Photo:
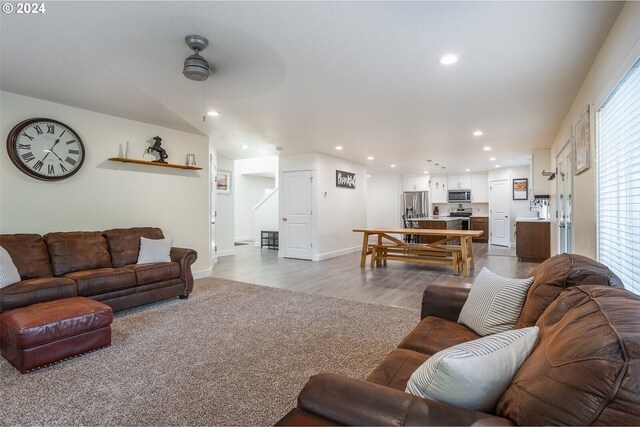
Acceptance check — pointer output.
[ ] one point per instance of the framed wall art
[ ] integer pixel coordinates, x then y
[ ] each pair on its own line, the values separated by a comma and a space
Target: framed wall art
581, 143
520, 188
223, 182
345, 179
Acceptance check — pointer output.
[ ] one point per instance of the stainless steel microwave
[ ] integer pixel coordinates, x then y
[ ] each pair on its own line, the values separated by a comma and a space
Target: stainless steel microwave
459, 196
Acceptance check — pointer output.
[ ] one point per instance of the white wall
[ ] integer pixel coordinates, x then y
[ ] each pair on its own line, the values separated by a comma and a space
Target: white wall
249, 191
258, 165
106, 194
540, 161
252, 178
337, 211
516, 207
519, 207
340, 210
225, 218
383, 201
618, 53
266, 216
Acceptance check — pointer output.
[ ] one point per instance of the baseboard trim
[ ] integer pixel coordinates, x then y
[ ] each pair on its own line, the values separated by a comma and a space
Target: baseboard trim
329, 255
226, 253
243, 238
203, 273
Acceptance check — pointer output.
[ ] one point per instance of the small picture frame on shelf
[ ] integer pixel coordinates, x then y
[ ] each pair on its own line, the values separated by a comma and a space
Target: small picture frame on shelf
223, 182
520, 188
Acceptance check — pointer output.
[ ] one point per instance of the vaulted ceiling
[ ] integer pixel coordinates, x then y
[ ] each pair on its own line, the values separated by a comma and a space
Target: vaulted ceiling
308, 76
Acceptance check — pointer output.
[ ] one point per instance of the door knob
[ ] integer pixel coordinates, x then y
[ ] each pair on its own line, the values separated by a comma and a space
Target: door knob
284, 219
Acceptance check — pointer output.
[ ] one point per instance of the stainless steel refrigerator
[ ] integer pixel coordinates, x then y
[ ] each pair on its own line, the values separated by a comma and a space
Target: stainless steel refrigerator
415, 203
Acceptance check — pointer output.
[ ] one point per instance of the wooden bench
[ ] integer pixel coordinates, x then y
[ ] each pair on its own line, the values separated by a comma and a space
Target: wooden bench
418, 253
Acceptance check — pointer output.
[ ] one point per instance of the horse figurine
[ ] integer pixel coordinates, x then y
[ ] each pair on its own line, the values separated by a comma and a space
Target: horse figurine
161, 151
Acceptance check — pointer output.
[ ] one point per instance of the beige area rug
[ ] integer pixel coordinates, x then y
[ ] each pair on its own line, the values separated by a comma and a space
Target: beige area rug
232, 354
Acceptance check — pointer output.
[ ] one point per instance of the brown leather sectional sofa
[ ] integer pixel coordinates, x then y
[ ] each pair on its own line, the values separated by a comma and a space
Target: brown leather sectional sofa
98, 265
584, 369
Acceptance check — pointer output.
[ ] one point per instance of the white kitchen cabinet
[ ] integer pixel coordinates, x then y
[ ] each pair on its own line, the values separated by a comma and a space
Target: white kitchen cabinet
479, 188
459, 182
415, 183
439, 187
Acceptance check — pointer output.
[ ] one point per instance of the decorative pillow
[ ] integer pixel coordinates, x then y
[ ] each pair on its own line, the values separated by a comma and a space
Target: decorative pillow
155, 250
474, 374
8, 271
494, 303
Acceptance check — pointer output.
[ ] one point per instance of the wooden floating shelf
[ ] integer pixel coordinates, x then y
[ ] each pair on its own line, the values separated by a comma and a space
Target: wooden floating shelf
145, 162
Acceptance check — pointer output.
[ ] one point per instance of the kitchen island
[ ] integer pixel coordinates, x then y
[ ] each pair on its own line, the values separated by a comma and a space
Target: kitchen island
437, 223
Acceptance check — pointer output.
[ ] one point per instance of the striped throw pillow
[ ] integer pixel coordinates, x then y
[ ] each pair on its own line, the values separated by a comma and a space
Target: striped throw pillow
494, 303
155, 250
474, 374
8, 271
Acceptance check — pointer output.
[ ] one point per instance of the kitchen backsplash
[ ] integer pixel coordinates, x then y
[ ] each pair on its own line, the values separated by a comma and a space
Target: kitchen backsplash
445, 208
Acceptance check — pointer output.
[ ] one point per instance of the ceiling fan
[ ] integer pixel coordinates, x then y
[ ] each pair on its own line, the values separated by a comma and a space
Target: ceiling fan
195, 66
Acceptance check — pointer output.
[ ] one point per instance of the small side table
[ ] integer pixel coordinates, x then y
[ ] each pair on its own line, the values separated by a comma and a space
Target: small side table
269, 239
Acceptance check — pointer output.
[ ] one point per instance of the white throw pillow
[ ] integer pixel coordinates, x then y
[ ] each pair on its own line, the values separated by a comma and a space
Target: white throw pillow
155, 250
474, 374
8, 271
494, 303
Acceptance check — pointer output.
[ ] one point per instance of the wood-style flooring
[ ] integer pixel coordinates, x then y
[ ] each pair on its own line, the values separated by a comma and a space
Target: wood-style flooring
398, 283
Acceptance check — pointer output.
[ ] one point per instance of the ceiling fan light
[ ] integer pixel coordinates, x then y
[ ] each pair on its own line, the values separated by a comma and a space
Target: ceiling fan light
196, 68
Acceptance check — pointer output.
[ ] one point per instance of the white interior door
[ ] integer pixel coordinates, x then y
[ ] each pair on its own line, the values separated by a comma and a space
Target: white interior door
499, 213
564, 199
296, 215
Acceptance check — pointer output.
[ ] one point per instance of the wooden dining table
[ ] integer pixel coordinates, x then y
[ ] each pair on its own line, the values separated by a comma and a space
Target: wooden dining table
454, 246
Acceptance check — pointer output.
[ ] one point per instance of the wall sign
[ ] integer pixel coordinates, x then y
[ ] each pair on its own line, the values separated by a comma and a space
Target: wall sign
345, 179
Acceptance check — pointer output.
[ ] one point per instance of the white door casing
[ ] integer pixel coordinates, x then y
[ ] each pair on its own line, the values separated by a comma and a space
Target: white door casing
213, 171
499, 212
296, 215
564, 199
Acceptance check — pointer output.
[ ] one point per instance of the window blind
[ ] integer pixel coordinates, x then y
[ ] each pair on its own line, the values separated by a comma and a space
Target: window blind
618, 180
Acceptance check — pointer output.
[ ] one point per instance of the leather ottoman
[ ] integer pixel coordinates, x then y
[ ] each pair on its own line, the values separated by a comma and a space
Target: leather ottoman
41, 334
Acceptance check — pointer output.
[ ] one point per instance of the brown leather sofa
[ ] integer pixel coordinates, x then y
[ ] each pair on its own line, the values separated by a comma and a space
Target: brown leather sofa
584, 369
98, 265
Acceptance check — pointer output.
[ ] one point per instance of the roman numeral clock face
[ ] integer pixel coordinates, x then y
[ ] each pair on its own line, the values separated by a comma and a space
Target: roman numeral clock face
45, 149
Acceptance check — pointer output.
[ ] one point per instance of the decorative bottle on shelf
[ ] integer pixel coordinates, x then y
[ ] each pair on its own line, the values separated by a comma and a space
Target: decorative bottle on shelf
436, 211
127, 152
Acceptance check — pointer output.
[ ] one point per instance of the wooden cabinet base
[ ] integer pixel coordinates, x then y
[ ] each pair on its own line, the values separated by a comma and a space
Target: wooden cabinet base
480, 223
533, 241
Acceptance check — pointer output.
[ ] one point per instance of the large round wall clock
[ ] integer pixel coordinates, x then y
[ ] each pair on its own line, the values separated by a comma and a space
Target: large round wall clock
45, 149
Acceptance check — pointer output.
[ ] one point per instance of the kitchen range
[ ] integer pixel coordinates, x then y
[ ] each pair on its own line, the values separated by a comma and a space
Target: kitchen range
464, 215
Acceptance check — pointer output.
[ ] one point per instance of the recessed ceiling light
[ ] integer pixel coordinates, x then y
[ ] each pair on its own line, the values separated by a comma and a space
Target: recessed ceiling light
244, 147
392, 165
426, 171
486, 148
213, 113
444, 167
497, 166
338, 147
437, 164
467, 170
370, 158
368, 176
429, 160
478, 133
449, 59
493, 159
